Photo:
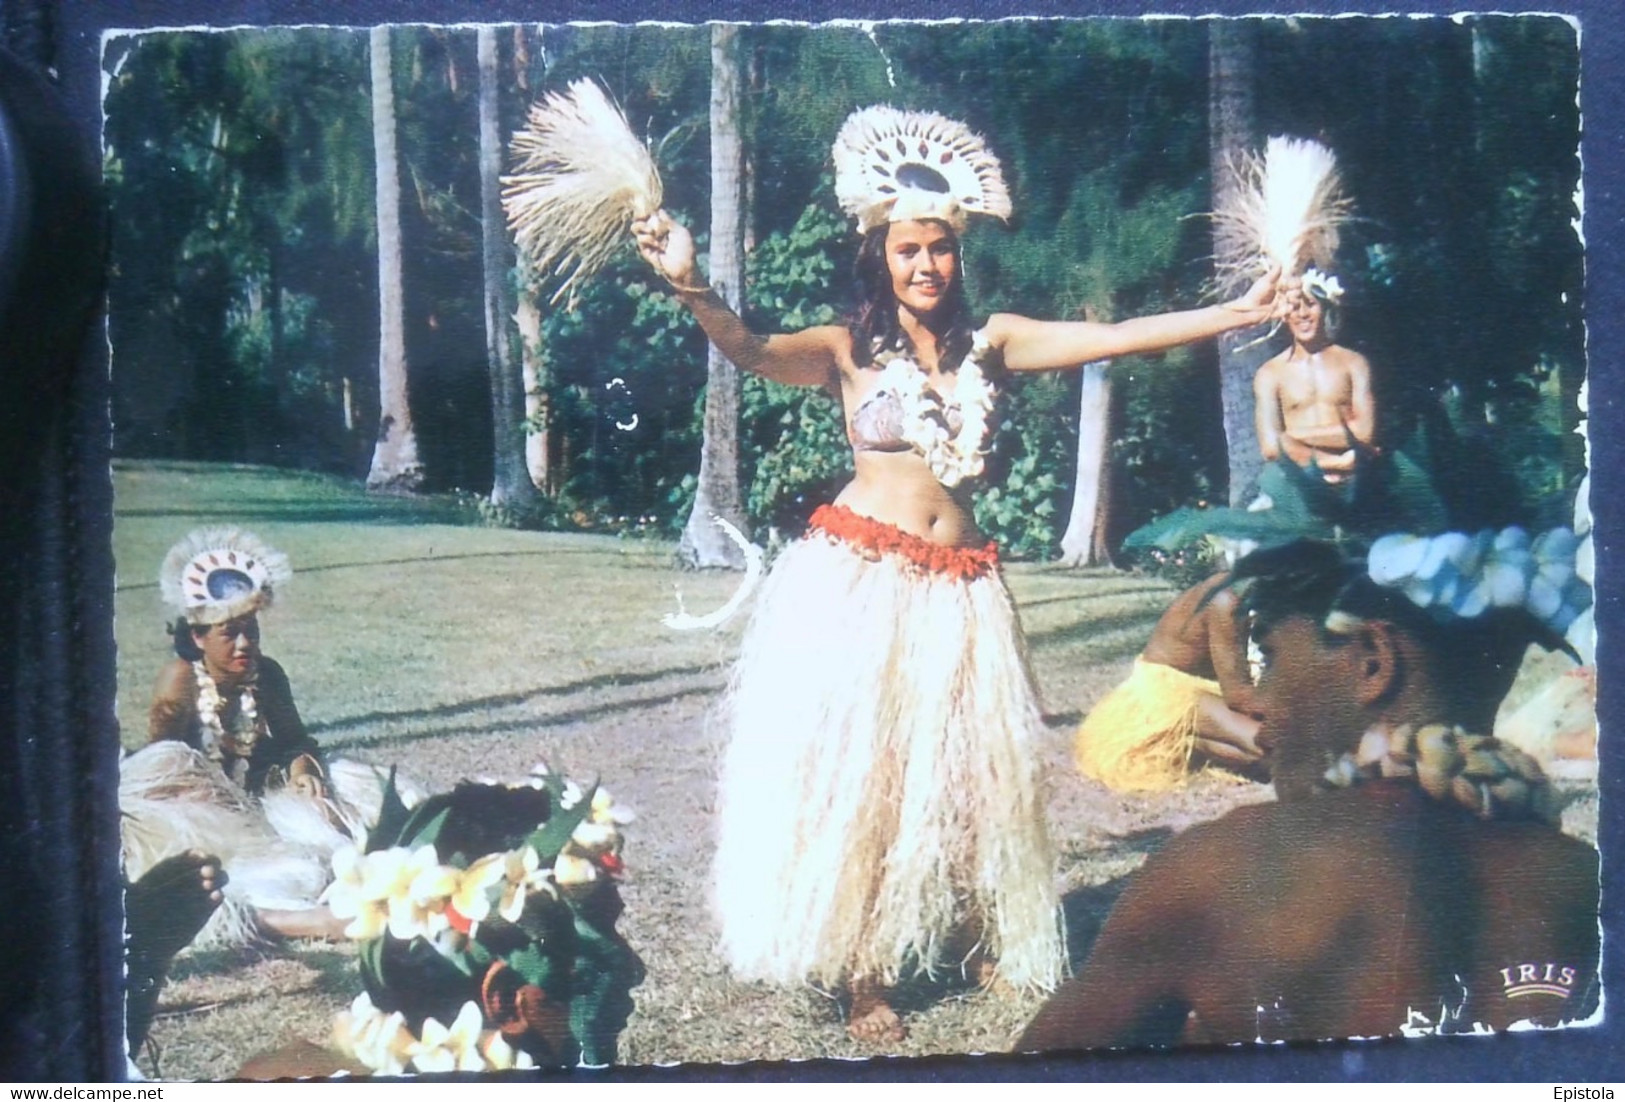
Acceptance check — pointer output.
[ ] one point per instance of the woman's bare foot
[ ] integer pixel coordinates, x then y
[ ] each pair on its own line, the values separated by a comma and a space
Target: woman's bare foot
163, 912
871, 1018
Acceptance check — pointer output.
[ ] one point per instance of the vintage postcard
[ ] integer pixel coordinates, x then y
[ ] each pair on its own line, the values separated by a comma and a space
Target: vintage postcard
660, 543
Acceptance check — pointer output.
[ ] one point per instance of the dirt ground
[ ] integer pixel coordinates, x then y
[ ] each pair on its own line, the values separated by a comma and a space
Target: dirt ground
636, 709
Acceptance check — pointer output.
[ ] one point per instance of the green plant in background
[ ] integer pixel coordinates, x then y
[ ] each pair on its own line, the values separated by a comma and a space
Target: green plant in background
793, 443
242, 307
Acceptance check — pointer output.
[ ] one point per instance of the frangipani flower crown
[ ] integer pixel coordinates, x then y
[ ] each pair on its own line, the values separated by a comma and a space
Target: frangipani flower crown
1456, 575
515, 948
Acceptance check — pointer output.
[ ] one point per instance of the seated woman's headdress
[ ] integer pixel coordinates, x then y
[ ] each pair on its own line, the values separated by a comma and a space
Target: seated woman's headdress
218, 574
898, 166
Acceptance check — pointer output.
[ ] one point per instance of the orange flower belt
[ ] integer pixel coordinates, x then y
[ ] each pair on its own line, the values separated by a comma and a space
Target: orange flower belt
876, 538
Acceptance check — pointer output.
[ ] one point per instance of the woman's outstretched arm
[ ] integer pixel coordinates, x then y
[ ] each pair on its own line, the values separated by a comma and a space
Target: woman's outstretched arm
1030, 345
806, 358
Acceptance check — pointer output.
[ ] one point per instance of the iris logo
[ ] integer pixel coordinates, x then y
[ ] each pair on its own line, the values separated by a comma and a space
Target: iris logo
1537, 979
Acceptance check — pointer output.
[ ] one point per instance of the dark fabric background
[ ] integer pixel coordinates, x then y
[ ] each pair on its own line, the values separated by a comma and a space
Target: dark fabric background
60, 914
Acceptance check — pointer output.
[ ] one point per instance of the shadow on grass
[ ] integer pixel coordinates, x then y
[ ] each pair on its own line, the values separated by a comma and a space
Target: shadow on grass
531, 724
1084, 630
1095, 597
613, 562
508, 700
334, 966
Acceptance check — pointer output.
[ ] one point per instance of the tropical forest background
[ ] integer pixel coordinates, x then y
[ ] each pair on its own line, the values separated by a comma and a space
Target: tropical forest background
310, 271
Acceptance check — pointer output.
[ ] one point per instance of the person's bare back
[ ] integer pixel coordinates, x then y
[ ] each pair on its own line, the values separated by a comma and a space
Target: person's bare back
1364, 913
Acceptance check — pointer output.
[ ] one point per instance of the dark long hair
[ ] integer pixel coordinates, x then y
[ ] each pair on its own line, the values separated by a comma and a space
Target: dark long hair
873, 324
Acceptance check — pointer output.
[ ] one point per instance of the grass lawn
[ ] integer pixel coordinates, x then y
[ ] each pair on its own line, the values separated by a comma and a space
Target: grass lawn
464, 652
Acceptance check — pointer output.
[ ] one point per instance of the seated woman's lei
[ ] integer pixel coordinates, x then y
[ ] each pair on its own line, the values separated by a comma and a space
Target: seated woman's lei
952, 456
228, 747
468, 959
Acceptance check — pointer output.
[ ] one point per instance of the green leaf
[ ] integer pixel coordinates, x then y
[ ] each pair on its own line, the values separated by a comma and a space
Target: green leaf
549, 839
392, 816
534, 965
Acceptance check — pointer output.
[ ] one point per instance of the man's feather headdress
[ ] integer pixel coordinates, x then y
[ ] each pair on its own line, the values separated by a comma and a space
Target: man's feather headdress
1284, 208
581, 177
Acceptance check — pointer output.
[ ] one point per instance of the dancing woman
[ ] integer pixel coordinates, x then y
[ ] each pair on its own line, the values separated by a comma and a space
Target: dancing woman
880, 809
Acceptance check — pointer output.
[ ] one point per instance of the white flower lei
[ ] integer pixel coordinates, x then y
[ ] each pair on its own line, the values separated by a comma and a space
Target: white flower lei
217, 741
383, 1043
952, 458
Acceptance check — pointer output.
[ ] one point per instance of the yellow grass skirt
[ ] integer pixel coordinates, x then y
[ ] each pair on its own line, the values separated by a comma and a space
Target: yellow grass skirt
880, 791
1141, 736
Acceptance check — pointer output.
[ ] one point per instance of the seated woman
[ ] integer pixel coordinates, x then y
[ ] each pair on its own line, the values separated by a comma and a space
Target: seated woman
1420, 883
229, 767
1186, 702
487, 922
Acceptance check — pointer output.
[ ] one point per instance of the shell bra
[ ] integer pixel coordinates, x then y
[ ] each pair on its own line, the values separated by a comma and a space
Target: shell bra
950, 431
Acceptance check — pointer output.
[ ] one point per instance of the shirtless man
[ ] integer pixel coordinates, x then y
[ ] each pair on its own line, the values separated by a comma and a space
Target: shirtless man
1364, 910
1314, 396
1188, 699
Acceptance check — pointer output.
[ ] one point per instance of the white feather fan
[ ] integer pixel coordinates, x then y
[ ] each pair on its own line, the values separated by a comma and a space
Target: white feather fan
580, 180
1285, 209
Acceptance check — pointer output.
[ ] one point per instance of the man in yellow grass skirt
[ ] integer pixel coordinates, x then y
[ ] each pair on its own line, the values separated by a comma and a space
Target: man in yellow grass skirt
1187, 701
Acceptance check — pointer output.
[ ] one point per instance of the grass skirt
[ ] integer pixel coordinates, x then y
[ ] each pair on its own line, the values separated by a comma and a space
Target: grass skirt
880, 792
1140, 737
277, 850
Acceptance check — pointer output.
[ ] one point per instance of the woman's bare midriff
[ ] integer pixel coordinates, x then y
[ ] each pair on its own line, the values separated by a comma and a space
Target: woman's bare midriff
898, 488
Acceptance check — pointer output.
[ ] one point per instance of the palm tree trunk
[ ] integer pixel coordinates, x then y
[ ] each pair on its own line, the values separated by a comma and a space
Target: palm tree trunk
1084, 543
1232, 130
395, 462
704, 544
510, 481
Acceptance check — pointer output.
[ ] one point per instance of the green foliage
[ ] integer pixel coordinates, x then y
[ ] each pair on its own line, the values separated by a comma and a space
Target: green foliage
243, 302
792, 439
1022, 503
625, 367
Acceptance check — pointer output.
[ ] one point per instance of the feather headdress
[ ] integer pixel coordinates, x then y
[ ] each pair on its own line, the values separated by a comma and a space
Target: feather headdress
218, 574
1284, 208
581, 178
894, 166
